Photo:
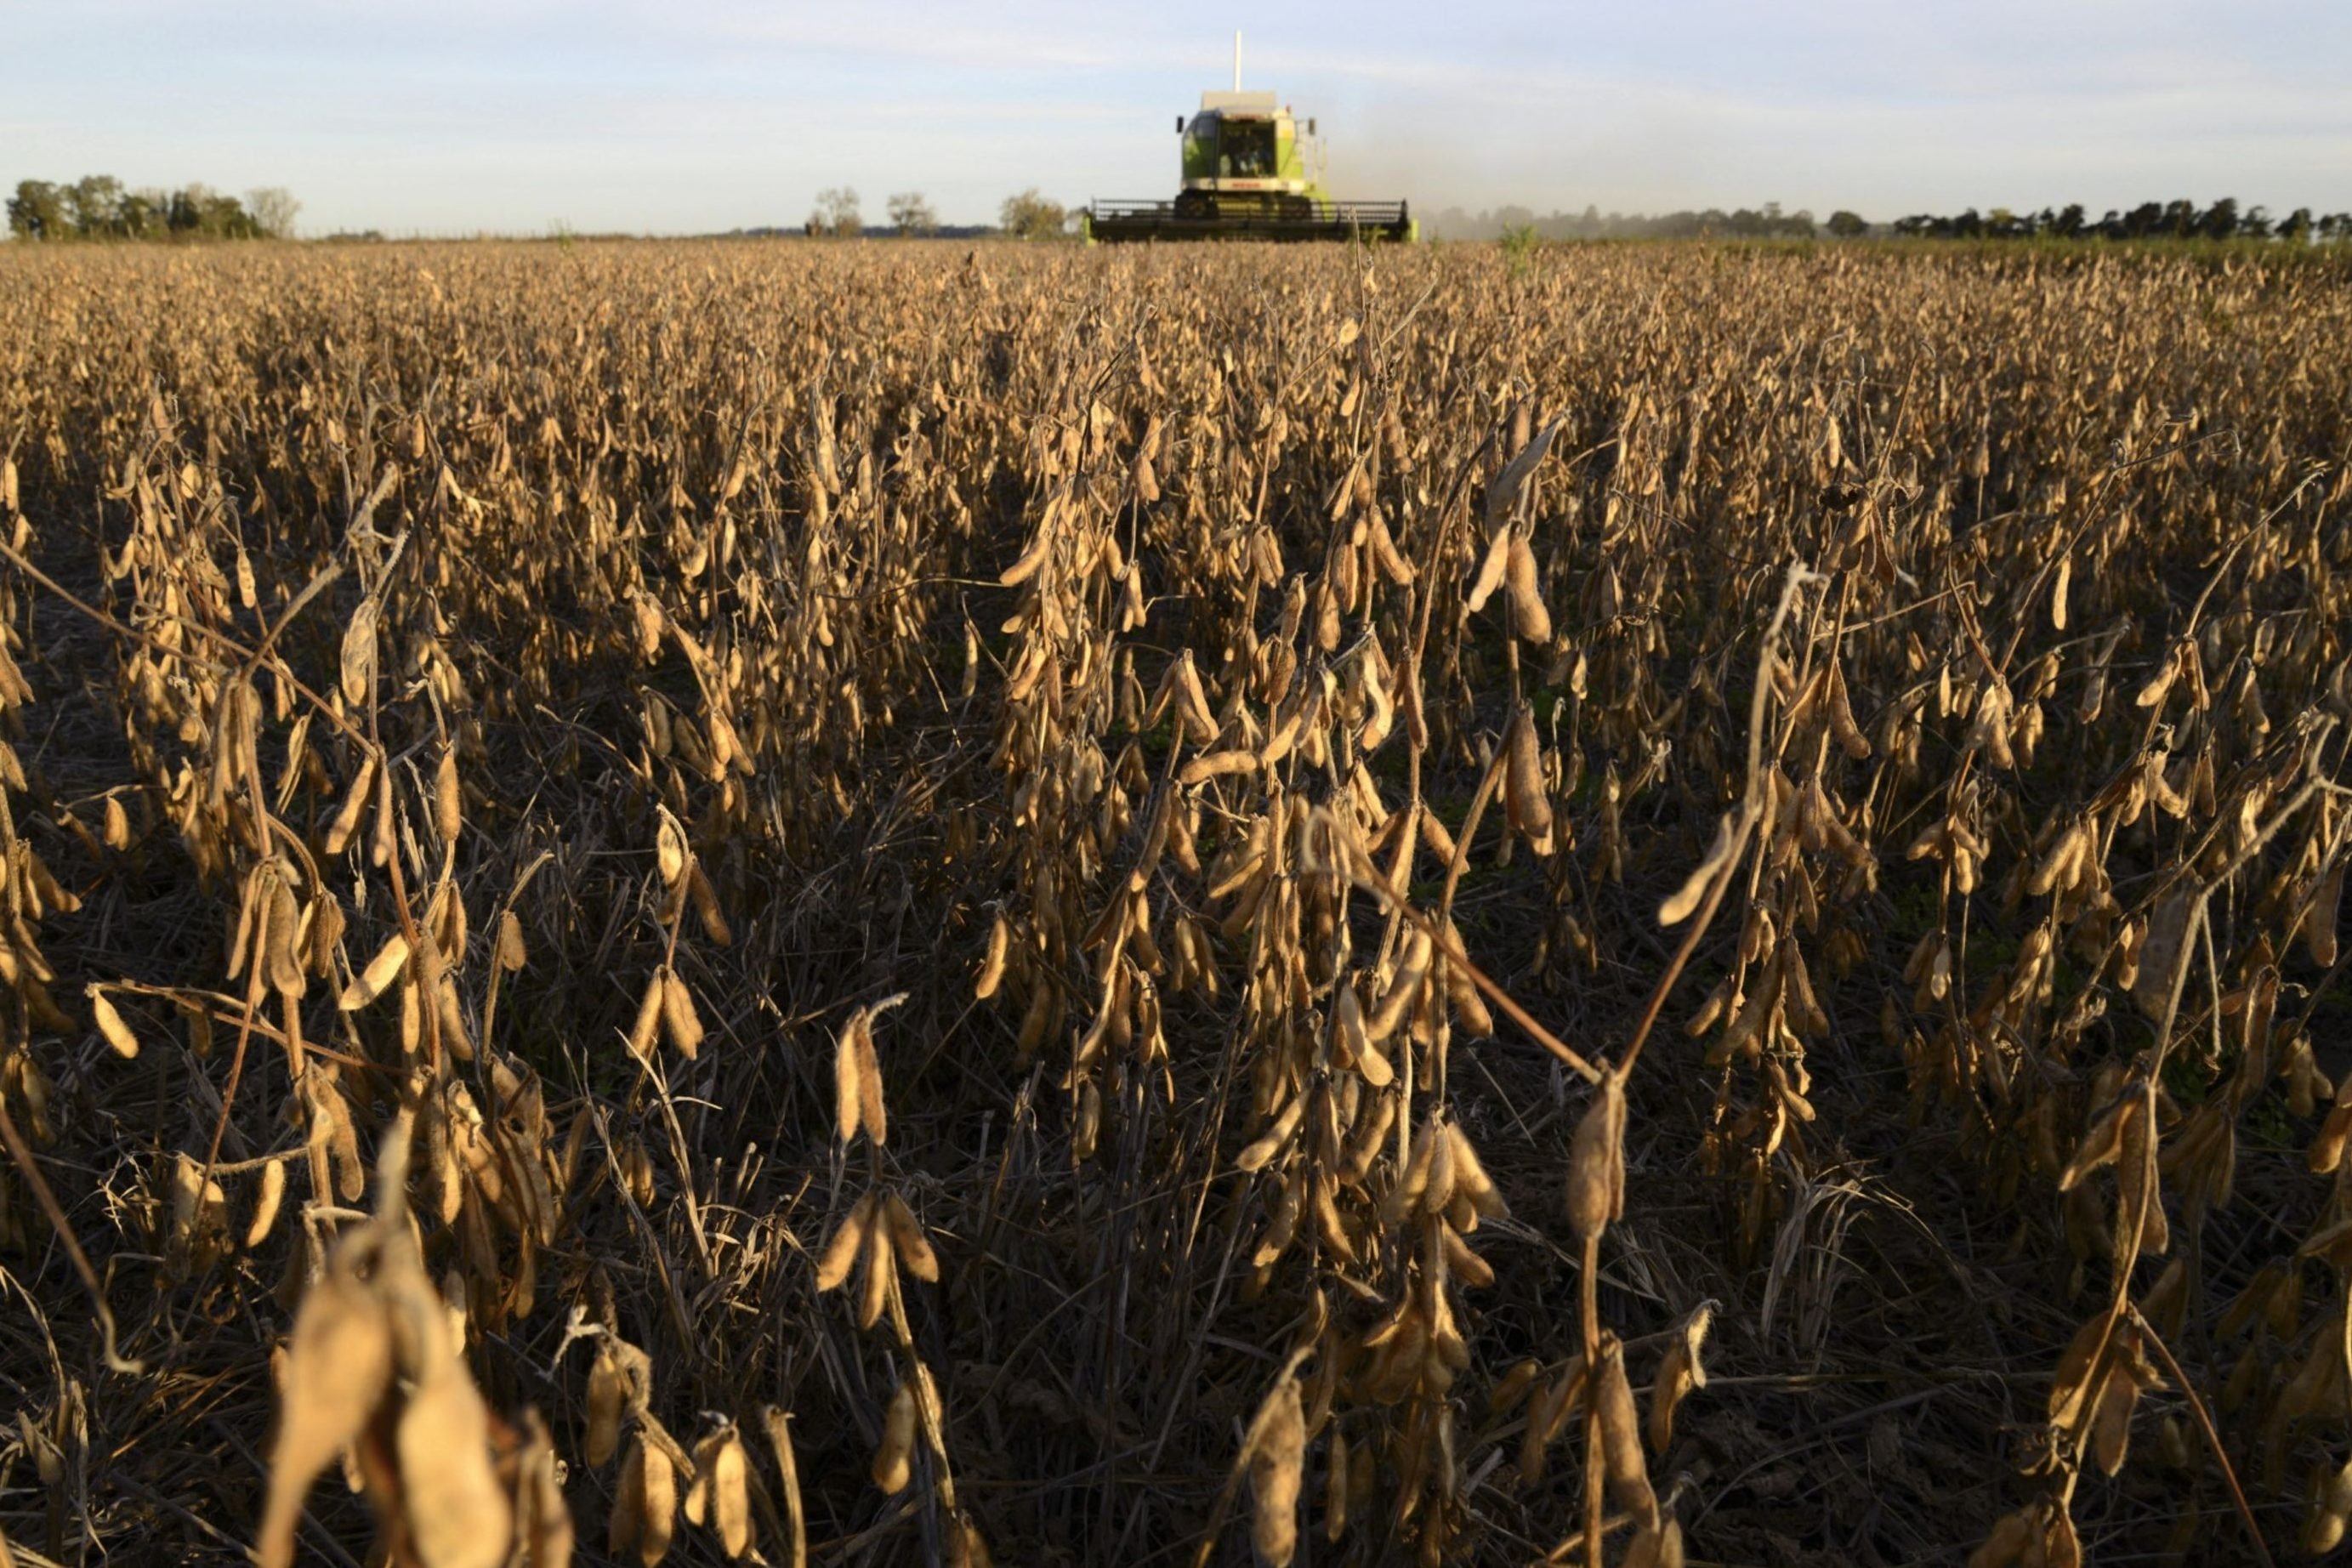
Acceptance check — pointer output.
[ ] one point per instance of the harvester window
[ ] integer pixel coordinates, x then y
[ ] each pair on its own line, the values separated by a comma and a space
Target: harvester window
1245, 150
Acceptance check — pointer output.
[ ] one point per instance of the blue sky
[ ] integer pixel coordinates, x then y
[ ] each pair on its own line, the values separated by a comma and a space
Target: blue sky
457, 116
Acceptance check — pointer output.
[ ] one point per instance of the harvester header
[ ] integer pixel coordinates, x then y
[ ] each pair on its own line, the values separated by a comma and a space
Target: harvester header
1249, 174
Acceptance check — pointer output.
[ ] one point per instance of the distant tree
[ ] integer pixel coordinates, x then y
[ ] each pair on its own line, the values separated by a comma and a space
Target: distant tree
94, 205
1848, 224
2255, 223
1030, 217
836, 213
2219, 221
143, 214
911, 215
37, 211
273, 208
2295, 227
2068, 222
199, 212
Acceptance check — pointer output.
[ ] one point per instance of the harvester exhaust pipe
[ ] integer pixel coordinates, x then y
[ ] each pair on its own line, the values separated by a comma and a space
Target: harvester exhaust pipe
1237, 60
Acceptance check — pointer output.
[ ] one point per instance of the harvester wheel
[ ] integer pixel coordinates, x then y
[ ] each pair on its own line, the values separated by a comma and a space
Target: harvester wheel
1298, 209
1194, 206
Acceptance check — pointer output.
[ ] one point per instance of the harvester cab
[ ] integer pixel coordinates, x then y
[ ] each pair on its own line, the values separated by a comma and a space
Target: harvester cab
1249, 174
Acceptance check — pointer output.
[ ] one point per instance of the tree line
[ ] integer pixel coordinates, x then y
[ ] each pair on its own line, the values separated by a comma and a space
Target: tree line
100, 206
2177, 219
1767, 222
2223, 220
838, 215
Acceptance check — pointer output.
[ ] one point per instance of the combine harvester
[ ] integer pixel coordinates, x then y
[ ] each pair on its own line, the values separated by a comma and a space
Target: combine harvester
1246, 177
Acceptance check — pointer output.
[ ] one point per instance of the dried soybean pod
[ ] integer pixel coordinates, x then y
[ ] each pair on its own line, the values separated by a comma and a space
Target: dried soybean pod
780, 1437
1526, 801
1531, 620
1348, 1027
1200, 718
1412, 970
1021, 570
265, 1207
991, 971
458, 1515
110, 1025
1470, 1177
660, 1494
355, 804
848, 1091
338, 1369
604, 1392
1335, 1487
380, 844
1461, 1262
680, 1022
1848, 733
1469, 1006
1679, 908
848, 1240
906, 1236
649, 1021
730, 1495
1596, 1160
1679, 1371
1490, 570
357, 670
2007, 1543
448, 801
705, 907
881, 1270
1277, 1464
872, 1114
626, 1522
930, 1414
509, 954
1217, 764
894, 1460
2320, 921
669, 850
1513, 1385
1404, 1199
1620, 1436
697, 1492
283, 962
1278, 1132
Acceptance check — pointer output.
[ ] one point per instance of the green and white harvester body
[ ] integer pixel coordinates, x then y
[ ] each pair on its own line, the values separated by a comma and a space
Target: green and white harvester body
1247, 176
